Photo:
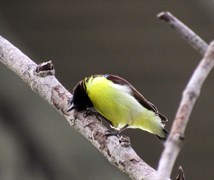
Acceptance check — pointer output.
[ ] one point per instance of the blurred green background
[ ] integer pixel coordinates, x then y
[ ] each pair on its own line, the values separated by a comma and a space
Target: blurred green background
90, 37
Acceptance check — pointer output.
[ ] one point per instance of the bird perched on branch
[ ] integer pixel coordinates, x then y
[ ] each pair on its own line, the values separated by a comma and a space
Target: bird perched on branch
120, 103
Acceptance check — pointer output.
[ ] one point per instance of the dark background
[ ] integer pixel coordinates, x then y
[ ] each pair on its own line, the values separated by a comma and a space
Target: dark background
90, 37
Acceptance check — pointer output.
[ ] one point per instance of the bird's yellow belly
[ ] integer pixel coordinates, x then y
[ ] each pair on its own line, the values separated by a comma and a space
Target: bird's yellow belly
120, 113
112, 104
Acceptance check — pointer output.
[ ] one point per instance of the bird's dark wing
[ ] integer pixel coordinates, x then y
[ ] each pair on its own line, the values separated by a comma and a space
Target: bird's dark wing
140, 98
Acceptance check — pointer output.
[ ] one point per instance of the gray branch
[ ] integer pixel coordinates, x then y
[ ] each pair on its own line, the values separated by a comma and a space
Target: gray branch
42, 80
185, 32
190, 94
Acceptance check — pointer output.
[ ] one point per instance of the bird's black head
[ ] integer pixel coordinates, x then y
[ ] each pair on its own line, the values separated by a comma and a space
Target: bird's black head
80, 100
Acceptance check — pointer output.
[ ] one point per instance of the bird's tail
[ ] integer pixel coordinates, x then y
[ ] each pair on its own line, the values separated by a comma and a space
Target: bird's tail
163, 139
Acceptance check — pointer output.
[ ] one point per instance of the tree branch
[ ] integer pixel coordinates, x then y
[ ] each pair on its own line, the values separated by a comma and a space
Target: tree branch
185, 32
42, 80
190, 94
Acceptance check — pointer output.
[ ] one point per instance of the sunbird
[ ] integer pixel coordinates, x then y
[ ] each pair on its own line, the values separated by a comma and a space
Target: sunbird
120, 103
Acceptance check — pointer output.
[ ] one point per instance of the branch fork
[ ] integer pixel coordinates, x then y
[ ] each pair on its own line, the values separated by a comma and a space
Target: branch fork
190, 94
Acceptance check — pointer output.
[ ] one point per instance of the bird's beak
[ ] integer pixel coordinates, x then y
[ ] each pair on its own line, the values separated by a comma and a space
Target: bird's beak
72, 106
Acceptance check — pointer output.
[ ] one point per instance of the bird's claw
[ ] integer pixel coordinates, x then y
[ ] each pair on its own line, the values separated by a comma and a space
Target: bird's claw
89, 112
112, 133
125, 141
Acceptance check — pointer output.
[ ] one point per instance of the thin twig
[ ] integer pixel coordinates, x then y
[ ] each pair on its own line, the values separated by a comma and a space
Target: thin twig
185, 32
42, 80
190, 95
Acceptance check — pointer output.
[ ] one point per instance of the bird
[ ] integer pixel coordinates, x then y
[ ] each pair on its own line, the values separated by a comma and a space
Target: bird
119, 103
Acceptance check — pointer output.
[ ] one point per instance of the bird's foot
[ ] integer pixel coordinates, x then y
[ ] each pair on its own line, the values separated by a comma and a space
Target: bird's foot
112, 133
125, 141
89, 112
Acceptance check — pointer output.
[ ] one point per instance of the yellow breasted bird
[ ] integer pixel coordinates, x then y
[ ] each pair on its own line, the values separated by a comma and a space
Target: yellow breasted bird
120, 103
